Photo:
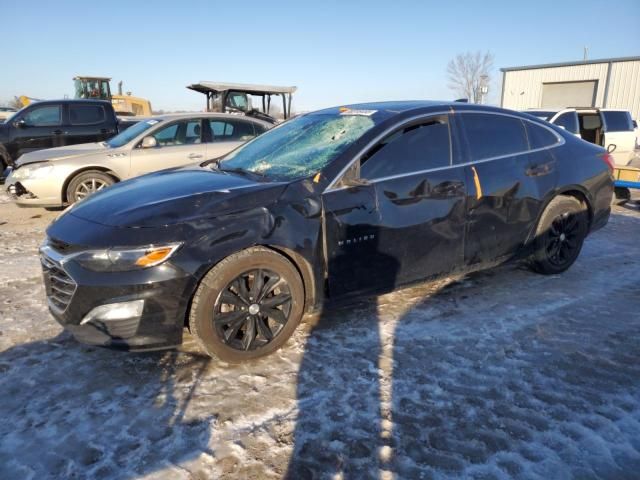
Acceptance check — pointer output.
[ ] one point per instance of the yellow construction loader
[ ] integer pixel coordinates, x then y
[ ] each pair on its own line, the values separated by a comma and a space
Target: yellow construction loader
98, 87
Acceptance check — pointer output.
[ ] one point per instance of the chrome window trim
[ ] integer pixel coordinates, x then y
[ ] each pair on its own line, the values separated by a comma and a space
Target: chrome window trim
561, 141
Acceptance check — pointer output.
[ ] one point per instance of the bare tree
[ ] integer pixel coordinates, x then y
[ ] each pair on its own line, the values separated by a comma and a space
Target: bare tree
468, 73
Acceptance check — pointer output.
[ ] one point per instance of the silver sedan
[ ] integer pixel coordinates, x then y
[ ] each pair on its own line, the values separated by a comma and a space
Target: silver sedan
62, 176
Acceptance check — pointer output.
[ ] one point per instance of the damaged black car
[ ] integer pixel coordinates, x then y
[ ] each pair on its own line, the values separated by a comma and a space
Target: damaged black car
331, 204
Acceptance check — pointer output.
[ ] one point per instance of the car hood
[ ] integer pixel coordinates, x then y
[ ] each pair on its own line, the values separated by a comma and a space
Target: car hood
62, 153
175, 196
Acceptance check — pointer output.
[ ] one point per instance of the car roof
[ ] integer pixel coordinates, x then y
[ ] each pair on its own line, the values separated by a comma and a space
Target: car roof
394, 108
181, 115
71, 100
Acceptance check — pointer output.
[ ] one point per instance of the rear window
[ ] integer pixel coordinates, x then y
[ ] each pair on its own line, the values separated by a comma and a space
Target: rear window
618, 121
86, 114
539, 137
493, 135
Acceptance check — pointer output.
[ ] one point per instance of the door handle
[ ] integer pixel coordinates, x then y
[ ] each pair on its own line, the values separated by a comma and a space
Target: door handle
540, 170
195, 155
58, 132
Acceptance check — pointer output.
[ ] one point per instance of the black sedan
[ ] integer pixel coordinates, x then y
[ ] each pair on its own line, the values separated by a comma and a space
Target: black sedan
342, 201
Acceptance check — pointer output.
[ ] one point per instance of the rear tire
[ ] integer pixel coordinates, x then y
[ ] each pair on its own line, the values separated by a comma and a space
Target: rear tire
87, 183
560, 234
621, 196
247, 306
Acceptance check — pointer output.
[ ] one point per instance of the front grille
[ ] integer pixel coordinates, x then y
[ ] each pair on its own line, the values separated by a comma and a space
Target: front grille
59, 286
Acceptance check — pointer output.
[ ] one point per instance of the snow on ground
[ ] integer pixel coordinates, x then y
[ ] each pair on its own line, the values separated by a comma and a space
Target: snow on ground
500, 374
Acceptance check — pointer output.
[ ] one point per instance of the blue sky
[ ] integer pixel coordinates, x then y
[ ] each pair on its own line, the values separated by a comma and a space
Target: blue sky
336, 52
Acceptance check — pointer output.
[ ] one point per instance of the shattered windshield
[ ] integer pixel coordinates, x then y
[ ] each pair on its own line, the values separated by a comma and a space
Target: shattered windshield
299, 147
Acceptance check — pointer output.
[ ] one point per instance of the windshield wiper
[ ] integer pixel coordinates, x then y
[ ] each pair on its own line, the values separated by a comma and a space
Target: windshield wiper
242, 171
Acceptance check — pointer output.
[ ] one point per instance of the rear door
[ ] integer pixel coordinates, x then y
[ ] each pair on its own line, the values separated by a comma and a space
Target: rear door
405, 221
502, 204
42, 127
87, 123
178, 143
228, 134
618, 131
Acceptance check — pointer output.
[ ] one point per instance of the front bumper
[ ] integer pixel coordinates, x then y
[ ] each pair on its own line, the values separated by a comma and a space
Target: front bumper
34, 192
73, 292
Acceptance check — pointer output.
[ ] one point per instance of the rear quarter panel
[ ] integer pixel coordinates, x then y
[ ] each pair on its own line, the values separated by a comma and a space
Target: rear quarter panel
581, 168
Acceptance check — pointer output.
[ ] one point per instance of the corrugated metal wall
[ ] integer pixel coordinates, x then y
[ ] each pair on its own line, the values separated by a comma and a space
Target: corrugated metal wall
523, 88
624, 88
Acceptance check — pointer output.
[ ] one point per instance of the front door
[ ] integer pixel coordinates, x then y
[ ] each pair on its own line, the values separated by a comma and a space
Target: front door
619, 132
38, 128
398, 216
177, 144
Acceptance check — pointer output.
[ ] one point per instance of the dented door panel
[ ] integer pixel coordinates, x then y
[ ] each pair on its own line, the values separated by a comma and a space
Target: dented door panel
422, 222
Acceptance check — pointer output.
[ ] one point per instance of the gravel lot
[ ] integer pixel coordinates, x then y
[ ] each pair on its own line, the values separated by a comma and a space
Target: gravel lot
500, 374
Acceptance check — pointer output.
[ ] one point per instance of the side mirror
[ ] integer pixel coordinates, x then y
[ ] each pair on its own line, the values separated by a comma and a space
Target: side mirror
20, 123
611, 147
149, 142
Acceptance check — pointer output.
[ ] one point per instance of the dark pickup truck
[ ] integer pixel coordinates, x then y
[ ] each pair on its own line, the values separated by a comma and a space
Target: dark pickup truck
55, 123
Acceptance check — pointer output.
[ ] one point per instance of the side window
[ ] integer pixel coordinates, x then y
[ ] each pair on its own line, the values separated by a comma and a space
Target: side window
218, 129
193, 133
618, 121
86, 114
411, 149
231, 130
49, 115
179, 133
259, 129
539, 137
493, 135
242, 131
569, 121
167, 136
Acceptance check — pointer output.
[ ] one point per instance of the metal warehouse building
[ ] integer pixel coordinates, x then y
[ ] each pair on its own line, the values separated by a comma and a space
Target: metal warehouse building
606, 83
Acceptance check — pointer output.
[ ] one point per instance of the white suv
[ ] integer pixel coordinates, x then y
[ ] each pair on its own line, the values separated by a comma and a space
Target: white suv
602, 126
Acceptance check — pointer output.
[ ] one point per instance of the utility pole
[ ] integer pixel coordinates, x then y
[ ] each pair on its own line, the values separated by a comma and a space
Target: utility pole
585, 53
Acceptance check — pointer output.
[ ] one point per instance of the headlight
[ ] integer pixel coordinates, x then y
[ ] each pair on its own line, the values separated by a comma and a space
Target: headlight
121, 260
36, 170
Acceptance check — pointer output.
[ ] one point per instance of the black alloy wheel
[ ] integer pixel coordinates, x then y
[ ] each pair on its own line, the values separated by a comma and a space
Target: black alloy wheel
563, 238
248, 305
561, 231
252, 309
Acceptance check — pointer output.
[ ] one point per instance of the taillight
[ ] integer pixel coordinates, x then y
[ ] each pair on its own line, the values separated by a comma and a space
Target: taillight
608, 159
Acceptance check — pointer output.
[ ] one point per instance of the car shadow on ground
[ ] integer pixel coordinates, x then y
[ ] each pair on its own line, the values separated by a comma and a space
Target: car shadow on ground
501, 373
111, 415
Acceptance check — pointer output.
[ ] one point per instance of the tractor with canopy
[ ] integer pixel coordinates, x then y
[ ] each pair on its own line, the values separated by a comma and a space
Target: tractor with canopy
252, 100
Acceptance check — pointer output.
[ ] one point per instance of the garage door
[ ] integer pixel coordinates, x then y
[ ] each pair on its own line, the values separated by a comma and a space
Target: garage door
569, 94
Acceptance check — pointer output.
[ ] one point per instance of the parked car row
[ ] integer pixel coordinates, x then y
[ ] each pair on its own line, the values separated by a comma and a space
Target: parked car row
342, 201
64, 175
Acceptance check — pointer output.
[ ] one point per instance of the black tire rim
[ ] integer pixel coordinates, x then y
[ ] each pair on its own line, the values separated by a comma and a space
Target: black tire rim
252, 309
563, 239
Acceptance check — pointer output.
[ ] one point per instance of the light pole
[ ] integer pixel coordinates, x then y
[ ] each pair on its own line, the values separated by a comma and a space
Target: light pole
484, 88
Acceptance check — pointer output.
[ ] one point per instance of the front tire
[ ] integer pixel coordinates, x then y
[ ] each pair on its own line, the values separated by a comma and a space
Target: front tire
247, 306
560, 234
86, 184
